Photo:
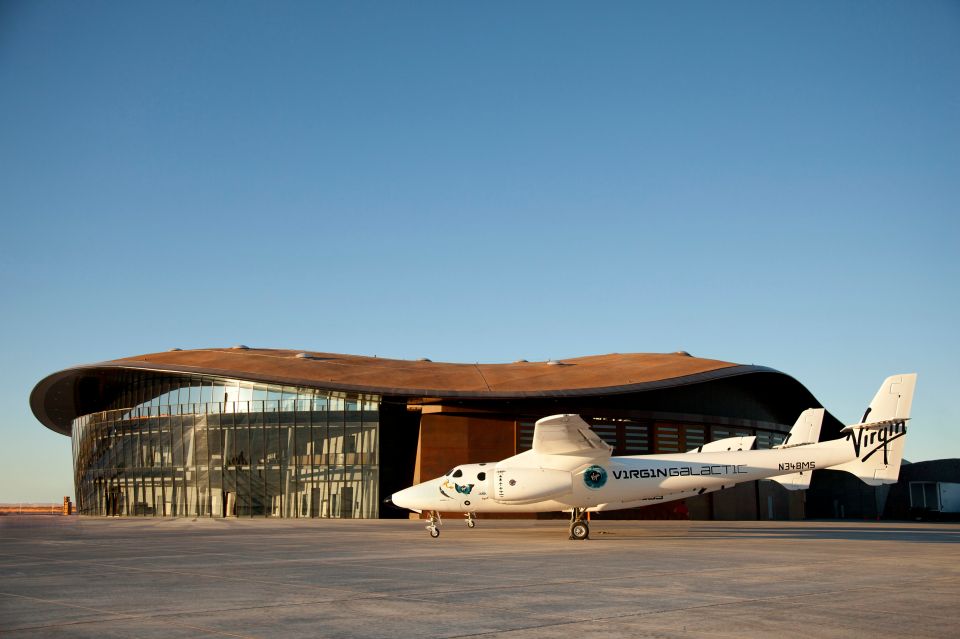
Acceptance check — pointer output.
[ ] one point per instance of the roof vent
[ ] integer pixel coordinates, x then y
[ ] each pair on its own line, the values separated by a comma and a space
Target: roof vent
174, 349
424, 359
522, 361
240, 347
684, 353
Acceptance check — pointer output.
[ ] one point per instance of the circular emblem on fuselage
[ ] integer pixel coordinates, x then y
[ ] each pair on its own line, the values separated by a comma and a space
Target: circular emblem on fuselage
594, 477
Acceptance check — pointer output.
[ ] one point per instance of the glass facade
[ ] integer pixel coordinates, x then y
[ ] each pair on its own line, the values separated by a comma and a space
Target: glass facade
214, 447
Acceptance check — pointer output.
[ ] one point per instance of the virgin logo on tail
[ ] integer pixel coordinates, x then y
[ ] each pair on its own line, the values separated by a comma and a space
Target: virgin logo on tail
879, 436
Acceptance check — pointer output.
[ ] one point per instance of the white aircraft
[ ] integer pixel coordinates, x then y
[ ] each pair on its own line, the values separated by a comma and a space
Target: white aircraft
570, 468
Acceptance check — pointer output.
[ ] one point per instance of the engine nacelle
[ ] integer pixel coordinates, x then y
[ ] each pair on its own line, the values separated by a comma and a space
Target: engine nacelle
529, 485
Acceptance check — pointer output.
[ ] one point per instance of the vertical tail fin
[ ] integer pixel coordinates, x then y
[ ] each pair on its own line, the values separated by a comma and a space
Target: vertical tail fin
893, 401
805, 431
807, 428
878, 439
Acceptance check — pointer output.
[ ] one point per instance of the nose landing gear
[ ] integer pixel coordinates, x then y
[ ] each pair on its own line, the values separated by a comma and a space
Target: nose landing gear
579, 529
434, 523
470, 521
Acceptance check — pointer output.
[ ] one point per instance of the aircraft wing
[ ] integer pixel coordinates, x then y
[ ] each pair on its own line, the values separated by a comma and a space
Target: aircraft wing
740, 442
568, 435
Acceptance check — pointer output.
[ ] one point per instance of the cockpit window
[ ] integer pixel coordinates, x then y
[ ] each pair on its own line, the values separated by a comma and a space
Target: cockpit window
449, 472
481, 476
457, 473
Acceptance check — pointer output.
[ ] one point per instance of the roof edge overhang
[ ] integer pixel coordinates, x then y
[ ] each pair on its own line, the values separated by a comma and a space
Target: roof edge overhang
63, 423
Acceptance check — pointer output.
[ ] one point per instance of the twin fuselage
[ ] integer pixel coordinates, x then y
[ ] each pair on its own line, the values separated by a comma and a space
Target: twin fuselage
532, 482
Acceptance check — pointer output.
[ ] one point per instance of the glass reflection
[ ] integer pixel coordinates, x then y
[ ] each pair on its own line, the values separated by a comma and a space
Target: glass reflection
227, 448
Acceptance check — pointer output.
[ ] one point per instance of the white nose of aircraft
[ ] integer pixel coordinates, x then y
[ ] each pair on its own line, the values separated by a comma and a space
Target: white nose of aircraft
417, 498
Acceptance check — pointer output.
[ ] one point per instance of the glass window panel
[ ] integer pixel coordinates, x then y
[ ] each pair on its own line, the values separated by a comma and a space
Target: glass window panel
166, 445
231, 390
229, 481
175, 393
215, 426
258, 454
206, 393
200, 441
164, 389
218, 392
189, 453
176, 433
215, 476
273, 489
268, 451
303, 452
240, 440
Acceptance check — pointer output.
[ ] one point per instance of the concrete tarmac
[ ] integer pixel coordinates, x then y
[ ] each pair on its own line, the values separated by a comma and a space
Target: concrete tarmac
91, 577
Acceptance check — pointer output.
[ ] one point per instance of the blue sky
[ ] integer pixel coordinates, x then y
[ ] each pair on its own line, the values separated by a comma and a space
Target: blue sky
758, 182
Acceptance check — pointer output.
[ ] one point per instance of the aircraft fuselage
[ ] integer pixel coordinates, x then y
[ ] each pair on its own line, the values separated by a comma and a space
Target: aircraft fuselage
581, 482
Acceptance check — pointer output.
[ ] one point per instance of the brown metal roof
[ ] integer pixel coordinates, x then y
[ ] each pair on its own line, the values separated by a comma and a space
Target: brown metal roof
55, 399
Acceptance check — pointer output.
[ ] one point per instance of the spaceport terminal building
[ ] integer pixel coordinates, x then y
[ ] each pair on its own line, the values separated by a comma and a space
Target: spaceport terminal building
252, 432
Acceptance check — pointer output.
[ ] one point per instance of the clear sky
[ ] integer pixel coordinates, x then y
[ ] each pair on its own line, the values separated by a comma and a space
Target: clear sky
765, 182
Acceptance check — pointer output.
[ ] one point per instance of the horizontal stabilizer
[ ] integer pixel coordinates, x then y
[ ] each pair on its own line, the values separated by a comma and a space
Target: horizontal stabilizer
875, 425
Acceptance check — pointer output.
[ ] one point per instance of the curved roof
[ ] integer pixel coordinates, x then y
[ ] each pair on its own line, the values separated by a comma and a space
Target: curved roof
59, 398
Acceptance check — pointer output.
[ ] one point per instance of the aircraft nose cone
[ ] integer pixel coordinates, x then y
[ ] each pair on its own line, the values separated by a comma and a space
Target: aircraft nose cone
408, 498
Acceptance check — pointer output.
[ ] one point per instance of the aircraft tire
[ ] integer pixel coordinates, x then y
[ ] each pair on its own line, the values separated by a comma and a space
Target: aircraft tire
580, 531
434, 532
471, 524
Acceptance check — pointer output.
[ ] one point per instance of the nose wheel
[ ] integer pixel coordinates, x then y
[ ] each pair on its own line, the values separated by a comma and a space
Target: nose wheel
434, 523
579, 528
469, 520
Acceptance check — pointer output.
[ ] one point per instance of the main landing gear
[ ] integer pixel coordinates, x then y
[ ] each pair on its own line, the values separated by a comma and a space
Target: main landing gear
470, 521
579, 529
434, 524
